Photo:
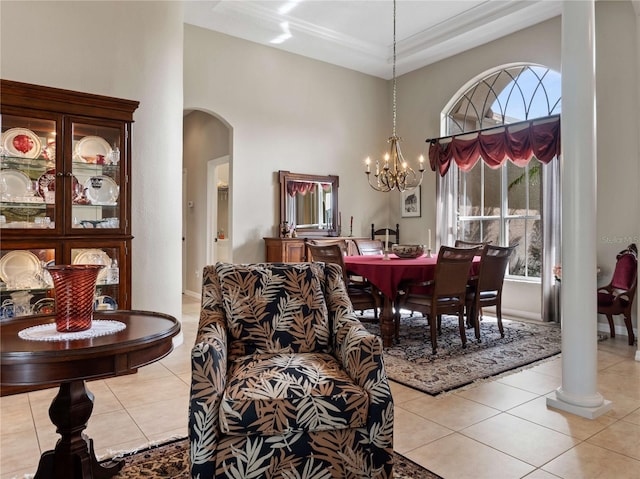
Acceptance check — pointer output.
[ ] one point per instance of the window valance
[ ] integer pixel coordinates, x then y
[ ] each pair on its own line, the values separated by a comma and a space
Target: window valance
302, 187
518, 142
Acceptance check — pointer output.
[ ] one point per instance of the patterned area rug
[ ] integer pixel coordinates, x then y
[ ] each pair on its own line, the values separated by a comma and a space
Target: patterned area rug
411, 363
171, 460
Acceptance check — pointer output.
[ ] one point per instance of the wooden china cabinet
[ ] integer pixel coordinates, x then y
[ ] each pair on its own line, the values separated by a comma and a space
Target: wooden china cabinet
65, 194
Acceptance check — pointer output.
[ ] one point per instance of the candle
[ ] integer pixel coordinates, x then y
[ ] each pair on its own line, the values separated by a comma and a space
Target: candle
386, 239
368, 162
429, 247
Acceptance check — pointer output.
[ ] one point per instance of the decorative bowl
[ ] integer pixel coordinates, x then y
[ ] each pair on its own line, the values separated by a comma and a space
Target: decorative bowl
408, 250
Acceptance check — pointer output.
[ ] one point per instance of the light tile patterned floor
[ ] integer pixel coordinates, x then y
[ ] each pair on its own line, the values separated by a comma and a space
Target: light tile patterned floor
496, 429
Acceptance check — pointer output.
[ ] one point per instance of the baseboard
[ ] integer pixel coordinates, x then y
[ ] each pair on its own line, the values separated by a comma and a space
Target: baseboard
516, 314
192, 294
620, 329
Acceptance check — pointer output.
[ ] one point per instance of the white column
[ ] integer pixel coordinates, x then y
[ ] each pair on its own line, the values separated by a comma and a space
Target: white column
578, 393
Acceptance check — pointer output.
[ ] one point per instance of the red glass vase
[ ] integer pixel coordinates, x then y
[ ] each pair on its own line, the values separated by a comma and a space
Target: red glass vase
74, 288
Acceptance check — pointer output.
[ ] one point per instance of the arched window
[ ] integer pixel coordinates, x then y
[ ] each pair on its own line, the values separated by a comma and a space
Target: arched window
511, 204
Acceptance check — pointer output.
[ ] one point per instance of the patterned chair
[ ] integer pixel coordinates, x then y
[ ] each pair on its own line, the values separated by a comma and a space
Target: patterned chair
286, 382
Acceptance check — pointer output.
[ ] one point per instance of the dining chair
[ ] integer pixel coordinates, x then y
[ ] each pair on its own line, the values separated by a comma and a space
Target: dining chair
444, 294
382, 232
369, 247
470, 244
617, 297
360, 292
485, 289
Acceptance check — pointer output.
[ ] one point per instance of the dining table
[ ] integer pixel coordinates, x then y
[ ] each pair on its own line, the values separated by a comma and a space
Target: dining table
386, 273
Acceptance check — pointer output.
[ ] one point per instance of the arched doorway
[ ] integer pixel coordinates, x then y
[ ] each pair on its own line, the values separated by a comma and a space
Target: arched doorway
207, 174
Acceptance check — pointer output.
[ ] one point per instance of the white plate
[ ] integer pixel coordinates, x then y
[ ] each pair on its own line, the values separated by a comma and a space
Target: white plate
101, 190
22, 143
17, 183
94, 256
89, 147
19, 265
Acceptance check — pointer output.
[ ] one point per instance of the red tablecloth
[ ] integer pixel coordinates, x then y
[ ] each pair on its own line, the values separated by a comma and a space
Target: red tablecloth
386, 275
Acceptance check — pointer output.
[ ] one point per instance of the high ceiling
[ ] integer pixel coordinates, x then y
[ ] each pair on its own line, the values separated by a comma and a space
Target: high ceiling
358, 34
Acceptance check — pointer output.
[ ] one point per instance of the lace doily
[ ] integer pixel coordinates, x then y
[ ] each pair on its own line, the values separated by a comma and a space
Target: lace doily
47, 332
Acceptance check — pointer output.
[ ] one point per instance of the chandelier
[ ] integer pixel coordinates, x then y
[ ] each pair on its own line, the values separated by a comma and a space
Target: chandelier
395, 173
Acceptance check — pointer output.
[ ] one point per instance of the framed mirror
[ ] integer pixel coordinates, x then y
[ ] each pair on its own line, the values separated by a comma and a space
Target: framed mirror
310, 202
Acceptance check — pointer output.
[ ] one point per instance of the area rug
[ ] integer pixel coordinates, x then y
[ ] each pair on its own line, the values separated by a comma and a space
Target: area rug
171, 460
411, 363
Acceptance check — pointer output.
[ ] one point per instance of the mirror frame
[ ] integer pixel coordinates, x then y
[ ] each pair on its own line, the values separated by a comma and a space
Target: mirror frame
286, 176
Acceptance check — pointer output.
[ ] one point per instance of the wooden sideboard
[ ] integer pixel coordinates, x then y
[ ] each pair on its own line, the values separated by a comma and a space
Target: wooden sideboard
294, 250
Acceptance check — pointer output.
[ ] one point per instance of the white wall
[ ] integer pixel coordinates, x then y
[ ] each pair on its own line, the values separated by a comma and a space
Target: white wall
129, 50
287, 113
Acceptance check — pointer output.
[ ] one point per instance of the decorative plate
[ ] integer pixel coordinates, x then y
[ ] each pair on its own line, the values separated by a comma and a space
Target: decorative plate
21, 143
94, 256
18, 264
101, 190
17, 183
89, 148
48, 181
49, 151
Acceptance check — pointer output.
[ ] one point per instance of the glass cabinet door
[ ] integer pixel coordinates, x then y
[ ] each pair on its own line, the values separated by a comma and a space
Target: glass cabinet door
26, 287
108, 296
27, 173
96, 177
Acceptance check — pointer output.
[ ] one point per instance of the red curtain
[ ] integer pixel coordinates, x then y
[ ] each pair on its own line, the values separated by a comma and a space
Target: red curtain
299, 187
518, 143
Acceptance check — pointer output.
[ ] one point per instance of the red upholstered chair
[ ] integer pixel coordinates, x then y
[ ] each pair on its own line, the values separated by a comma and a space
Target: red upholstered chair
617, 297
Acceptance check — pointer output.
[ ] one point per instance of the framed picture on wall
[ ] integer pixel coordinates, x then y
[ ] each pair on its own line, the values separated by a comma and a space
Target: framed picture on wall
410, 203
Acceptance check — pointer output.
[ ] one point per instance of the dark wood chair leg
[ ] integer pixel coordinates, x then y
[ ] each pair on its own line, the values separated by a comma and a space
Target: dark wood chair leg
476, 324
499, 316
462, 327
627, 322
612, 328
434, 333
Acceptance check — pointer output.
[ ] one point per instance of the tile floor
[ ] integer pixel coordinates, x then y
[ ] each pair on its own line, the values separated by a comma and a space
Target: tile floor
496, 429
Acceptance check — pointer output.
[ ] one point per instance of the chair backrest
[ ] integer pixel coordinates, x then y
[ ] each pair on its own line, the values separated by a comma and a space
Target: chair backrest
625, 275
394, 235
324, 242
452, 271
271, 307
493, 267
369, 247
470, 244
331, 253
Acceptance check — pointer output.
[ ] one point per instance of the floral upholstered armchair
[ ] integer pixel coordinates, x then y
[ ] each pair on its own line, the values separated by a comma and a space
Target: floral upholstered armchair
286, 382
